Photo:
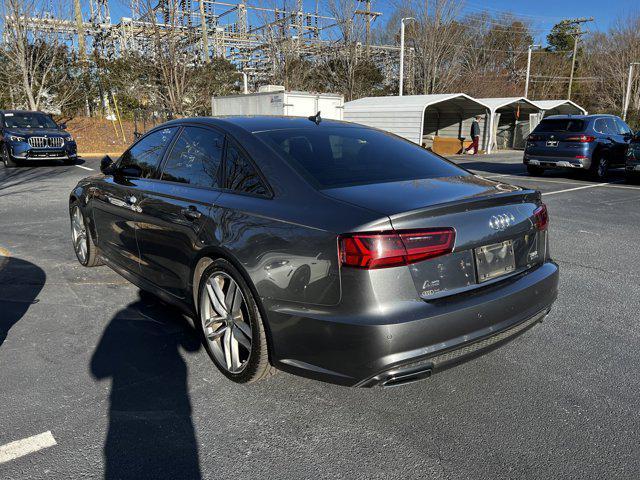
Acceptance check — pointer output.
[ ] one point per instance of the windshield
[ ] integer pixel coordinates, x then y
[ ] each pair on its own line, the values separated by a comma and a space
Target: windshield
344, 156
28, 120
560, 125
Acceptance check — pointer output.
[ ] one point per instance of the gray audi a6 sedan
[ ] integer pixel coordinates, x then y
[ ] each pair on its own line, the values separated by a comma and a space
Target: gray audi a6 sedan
326, 249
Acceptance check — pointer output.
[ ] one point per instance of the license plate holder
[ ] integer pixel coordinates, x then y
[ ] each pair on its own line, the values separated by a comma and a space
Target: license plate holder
495, 260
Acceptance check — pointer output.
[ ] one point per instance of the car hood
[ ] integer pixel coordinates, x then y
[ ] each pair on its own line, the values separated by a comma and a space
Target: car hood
395, 197
27, 132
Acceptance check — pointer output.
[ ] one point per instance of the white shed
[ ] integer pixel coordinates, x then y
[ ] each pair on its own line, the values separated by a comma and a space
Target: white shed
560, 107
512, 120
421, 118
274, 100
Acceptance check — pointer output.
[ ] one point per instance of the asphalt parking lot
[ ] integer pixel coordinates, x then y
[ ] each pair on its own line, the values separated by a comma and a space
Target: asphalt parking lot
125, 390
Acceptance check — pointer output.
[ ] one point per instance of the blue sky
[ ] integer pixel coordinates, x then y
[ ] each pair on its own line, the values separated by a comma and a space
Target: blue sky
543, 14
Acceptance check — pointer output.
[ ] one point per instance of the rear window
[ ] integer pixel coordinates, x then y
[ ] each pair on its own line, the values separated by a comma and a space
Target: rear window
340, 157
560, 125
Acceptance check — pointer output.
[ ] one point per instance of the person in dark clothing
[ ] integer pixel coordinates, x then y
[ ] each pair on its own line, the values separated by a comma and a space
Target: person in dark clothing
475, 135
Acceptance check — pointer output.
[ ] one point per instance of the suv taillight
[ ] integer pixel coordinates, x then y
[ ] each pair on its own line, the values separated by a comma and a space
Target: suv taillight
393, 249
581, 139
541, 217
534, 138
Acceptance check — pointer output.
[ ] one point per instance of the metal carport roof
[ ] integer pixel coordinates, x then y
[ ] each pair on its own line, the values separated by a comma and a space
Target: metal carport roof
404, 115
547, 105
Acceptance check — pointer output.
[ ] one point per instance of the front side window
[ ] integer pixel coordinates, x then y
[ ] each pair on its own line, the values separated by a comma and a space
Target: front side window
147, 153
28, 120
241, 175
623, 128
343, 156
195, 158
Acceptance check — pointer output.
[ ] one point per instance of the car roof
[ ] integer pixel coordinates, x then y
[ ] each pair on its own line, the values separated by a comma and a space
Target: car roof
258, 123
22, 111
579, 117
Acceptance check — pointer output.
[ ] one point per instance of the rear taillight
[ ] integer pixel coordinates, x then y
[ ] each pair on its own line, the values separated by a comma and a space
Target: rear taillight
393, 249
541, 217
534, 138
581, 139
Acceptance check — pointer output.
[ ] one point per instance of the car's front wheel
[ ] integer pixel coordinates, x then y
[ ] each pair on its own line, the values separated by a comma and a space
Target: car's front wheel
81, 237
7, 159
231, 326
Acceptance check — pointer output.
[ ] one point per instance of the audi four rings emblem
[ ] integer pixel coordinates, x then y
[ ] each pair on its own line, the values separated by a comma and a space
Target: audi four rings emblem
502, 221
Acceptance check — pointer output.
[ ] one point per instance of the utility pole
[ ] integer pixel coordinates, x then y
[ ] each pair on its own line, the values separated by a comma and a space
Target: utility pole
526, 83
205, 33
401, 73
627, 96
82, 49
577, 33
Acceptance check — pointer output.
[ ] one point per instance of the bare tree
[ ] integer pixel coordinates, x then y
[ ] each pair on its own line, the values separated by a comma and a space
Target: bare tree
608, 56
39, 67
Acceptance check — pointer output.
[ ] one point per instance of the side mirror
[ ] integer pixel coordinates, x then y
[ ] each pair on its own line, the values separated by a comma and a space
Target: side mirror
63, 126
106, 165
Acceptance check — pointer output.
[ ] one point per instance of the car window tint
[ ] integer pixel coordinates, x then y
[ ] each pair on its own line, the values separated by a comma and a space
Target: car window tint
560, 125
600, 126
332, 157
611, 127
240, 174
623, 128
147, 153
195, 158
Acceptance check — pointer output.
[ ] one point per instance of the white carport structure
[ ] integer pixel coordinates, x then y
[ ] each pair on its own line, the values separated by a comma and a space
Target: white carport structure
560, 107
421, 118
512, 120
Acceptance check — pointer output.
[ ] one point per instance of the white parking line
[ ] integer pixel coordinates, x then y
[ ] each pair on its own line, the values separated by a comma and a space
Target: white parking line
20, 448
576, 188
85, 168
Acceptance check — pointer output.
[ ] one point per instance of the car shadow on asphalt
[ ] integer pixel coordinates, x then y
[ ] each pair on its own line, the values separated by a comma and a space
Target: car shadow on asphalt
20, 284
150, 433
485, 168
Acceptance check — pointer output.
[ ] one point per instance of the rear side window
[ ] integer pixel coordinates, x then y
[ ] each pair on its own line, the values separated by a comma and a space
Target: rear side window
241, 175
147, 153
560, 125
606, 126
195, 158
342, 156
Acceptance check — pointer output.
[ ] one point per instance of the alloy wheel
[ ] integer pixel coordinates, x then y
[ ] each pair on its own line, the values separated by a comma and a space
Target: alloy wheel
602, 167
225, 322
79, 234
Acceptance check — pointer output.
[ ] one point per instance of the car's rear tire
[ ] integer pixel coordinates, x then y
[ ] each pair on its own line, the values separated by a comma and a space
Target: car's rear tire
599, 168
231, 326
83, 244
8, 161
534, 171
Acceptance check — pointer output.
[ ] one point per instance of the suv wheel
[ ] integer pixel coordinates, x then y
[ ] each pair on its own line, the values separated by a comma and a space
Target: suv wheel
6, 158
599, 167
534, 171
231, 326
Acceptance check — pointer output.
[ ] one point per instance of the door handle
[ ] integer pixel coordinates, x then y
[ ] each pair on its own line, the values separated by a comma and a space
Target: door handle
191, 213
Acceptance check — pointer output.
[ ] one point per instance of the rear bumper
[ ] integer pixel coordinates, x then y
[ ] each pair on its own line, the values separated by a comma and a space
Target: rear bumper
439, 333
556, 162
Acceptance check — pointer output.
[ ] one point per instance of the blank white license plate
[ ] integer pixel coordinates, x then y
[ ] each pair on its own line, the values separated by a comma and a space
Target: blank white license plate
495, 260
